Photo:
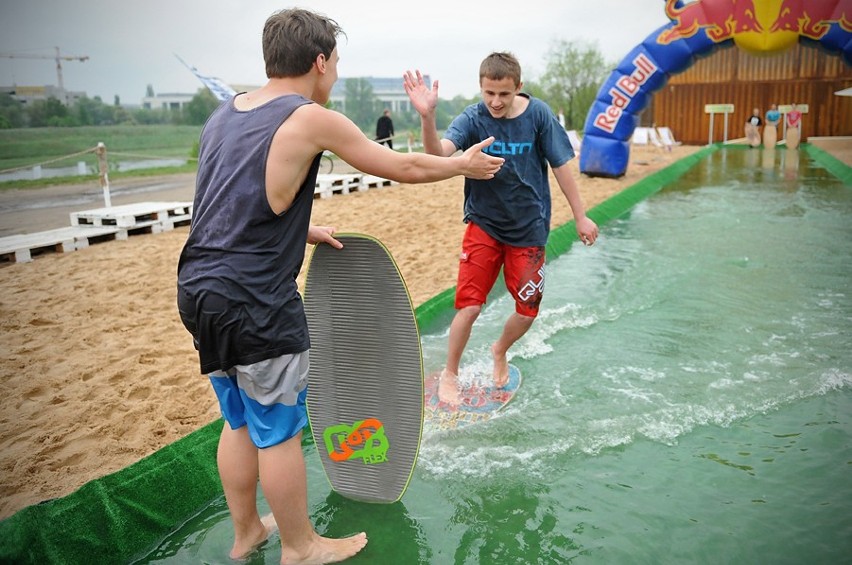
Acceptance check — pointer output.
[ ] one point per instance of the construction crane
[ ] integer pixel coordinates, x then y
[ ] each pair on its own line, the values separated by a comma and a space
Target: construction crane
58, 58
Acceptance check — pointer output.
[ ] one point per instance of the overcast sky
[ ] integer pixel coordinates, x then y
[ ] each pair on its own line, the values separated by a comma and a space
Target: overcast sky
132, 44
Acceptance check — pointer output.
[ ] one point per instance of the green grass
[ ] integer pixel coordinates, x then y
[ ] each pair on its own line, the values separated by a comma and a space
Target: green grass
20, 147
62, 147
190, 167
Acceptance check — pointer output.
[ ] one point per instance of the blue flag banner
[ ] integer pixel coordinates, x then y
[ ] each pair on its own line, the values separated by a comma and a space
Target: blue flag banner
215, 85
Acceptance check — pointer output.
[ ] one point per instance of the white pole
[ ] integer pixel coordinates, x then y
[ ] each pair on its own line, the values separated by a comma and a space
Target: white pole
710, 140
104, 172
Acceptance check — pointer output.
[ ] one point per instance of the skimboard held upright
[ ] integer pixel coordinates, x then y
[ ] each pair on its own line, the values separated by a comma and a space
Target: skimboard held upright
478, 402
365, 389
770, 135
752, 133
793, 136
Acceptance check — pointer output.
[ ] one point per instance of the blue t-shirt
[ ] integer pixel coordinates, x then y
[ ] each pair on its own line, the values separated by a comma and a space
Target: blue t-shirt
514, 206
772, 117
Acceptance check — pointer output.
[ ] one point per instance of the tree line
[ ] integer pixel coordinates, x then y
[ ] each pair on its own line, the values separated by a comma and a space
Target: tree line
94, 112
574, 72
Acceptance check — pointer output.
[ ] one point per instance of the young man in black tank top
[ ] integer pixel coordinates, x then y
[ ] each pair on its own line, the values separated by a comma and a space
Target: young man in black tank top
250, 226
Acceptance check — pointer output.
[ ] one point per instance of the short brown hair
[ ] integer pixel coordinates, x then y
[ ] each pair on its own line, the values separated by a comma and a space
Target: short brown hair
292, 40
500, 65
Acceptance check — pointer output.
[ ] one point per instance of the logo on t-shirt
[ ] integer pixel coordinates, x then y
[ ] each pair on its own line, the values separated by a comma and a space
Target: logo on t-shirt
508, 148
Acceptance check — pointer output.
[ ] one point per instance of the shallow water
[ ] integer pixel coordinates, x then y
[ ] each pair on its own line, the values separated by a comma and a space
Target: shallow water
687, 397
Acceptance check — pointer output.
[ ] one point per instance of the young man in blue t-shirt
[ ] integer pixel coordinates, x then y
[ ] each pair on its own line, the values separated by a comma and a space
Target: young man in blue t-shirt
507, 217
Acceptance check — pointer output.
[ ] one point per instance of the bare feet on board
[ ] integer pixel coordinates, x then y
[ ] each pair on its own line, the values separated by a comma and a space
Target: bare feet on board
501, 369
448, 388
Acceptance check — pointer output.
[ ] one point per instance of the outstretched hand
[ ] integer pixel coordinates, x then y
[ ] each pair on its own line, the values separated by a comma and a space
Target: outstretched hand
423, 98
481, 165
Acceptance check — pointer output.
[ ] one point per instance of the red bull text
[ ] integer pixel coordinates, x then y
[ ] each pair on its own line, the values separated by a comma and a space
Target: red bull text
623, 92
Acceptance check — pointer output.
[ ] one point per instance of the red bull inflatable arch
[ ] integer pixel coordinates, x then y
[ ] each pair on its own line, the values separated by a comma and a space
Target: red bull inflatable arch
696, 29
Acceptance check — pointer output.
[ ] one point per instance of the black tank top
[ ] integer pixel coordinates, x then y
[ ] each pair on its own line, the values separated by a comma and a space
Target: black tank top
238, 248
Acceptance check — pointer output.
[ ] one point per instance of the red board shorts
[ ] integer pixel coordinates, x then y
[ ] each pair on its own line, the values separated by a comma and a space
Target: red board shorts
480, 262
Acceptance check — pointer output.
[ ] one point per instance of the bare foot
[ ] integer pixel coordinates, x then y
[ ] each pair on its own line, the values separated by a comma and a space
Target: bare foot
242, 548
325, 550
448, 388
501, 369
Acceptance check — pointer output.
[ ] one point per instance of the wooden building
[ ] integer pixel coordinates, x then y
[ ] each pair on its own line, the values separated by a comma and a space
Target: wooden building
804, 74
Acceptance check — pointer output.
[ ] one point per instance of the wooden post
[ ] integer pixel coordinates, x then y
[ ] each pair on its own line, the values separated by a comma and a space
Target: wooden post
710, 139
104, 172
713, 109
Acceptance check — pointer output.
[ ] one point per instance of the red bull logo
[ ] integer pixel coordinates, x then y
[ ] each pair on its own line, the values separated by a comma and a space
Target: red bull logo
758, 26
813, 18
721, 19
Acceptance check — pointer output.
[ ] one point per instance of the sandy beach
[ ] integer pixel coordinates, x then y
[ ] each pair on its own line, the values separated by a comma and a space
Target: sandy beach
98, 371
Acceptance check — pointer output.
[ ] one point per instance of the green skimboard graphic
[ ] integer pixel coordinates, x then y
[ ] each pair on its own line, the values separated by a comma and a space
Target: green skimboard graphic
365, 390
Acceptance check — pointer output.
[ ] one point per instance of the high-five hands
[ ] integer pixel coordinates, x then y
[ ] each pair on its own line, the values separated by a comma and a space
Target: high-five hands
482, 166
423, 98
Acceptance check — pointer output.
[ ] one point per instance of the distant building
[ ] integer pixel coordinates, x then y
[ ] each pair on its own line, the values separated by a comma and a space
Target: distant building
171, 101
389, 91
26, 95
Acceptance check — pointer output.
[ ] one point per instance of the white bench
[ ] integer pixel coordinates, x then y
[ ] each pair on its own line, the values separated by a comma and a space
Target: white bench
159, 216
21, 248
327, 185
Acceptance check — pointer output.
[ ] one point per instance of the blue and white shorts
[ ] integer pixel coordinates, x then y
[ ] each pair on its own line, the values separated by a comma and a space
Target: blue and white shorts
269, 397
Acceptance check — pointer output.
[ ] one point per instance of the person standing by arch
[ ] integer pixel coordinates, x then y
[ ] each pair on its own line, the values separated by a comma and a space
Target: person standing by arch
770, 130
752, 128
794, 127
